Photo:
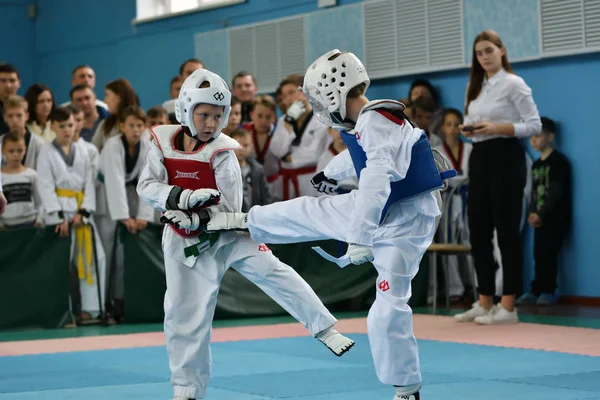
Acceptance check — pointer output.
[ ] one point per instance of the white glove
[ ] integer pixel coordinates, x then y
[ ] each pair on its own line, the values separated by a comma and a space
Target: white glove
226, 221
359, 254
182, 220
196, 198
324, 184
294, 111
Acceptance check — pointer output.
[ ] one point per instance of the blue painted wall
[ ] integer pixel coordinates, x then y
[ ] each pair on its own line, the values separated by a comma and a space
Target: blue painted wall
100, 33
20, 49
70, 32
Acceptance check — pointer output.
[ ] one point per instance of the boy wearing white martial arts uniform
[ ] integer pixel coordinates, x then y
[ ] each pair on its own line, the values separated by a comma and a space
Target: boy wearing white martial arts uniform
298, 140
458, 153
390, 220
189, 167
15, 115
121, 162
67, 192
90, 149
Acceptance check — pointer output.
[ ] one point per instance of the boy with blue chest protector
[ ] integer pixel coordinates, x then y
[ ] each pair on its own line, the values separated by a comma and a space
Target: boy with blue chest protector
390, 220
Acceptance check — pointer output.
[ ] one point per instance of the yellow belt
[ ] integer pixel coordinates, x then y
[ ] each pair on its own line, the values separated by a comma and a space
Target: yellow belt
83, 235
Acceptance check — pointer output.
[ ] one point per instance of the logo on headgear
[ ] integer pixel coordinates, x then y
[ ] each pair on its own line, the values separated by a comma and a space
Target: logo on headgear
219, 96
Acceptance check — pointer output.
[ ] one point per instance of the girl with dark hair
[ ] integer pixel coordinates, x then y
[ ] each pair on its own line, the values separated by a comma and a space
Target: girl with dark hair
499, 110
40, 103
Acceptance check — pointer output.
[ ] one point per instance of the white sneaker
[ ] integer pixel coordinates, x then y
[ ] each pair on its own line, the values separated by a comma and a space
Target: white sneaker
335, 341
476, 311
498, 315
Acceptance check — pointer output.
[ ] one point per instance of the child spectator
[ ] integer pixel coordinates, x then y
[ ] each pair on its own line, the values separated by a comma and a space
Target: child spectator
68, 195
299, 141
262, 131
256, 190
235, 118
89, 148
121, 162
156, 115
458, 152
423, 109
16, 115
549, 213
19, 186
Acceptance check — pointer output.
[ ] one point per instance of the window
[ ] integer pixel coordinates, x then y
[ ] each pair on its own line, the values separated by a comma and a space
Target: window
183, 5
150, 10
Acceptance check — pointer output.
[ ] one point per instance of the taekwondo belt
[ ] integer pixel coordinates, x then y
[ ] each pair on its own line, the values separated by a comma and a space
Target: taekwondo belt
205, 241
273, 178
291, 174
83, 235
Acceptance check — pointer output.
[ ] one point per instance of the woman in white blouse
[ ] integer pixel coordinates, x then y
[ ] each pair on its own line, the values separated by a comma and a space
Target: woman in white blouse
499, 111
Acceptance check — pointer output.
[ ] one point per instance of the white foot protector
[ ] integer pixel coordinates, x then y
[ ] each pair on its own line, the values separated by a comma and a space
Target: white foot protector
226, 221
335, 341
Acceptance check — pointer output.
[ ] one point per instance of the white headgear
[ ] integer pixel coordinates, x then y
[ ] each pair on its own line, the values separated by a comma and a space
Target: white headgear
327, 83
191, 95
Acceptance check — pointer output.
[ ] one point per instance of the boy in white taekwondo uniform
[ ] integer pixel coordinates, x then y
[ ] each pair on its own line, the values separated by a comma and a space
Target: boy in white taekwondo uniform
298, 140
121, 162
67, 191
458, 153
390, 220
189, 167
90, 148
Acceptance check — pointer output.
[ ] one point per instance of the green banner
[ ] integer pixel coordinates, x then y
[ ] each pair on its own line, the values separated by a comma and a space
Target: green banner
34, 278
145, 283
351, 287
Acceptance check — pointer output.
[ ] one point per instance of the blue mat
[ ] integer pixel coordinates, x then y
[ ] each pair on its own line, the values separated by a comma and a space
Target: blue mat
302, 368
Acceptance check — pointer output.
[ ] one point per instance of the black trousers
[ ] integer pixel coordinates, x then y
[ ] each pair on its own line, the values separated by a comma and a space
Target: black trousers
497, 175
547, 243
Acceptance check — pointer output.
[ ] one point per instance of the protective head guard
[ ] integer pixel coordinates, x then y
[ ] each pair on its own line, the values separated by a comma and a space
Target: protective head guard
327, 83
191, 95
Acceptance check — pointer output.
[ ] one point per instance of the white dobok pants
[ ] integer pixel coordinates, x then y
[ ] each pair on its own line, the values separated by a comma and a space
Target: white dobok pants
191, 298
398, 247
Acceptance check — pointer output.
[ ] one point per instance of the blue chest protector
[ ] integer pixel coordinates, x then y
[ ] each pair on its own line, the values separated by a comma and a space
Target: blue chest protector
422, 176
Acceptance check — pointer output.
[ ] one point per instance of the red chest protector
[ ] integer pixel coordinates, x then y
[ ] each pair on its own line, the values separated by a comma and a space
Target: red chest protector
190, 170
